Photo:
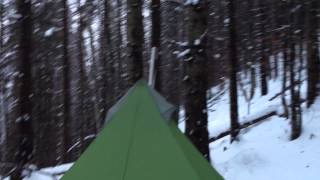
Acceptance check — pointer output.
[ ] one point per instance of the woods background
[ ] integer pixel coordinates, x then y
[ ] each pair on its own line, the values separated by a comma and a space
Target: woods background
63, 64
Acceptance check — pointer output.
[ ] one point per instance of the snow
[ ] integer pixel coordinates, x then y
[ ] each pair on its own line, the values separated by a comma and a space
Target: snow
9, 85
219, 114
191, 2
217, 56
197, 42
226, 21
264, 151
49, 32
146, 13
46, 174
53, 173
184, 53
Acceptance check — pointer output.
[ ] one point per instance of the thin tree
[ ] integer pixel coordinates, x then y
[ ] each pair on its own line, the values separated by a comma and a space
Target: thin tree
312, 51
106, 68
87, 125
264, 61
1, 27
66, 81
93, 81
135, 41
3, 107
168, 69
233, 72
119, 50
284, 75
296, 117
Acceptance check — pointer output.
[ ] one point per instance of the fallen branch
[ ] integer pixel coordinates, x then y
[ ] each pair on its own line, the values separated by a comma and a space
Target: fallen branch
244, 125
280, 93
284, 90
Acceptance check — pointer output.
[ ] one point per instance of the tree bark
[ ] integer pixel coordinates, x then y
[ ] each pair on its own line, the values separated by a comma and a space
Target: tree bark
295, 95
233, 72
106, 68
168, 69
264, 61
24, 152
120, 68
195, 76
87, 125
312, 52
135, 39
66, 82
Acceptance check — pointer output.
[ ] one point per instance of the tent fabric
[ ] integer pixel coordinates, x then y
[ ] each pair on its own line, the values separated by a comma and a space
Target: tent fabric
166, 109
140, 144
118, 105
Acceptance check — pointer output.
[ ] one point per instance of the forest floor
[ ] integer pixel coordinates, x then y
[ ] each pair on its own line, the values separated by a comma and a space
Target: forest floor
264, 150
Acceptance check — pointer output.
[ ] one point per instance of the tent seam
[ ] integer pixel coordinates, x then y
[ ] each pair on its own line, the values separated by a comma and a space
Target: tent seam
132, 137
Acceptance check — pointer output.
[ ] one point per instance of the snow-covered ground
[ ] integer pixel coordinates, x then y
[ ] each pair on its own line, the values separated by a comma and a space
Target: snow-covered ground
264, 151
53, 173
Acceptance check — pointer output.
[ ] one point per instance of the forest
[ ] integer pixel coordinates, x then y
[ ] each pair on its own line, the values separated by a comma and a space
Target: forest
64, 63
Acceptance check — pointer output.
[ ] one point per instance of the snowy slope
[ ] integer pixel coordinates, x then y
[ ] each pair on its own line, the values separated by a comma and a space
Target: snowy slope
264, 151
53, 173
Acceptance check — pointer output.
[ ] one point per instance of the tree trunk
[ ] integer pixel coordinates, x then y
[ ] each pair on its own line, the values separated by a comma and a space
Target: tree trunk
284, 80
195, 76
312, 51
24, 153
87, 125
135, 39
66, 82
233, 72
264, 61
295, 95
168, 69
1, 27
94, 91
120, 69
107, 94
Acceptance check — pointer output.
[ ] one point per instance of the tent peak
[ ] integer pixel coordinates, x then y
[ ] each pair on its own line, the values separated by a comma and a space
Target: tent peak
165, 108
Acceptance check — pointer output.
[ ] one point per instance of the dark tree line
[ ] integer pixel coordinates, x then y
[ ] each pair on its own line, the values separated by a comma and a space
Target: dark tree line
63, 64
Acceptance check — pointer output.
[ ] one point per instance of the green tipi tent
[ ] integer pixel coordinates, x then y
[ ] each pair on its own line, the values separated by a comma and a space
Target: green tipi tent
141, 143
